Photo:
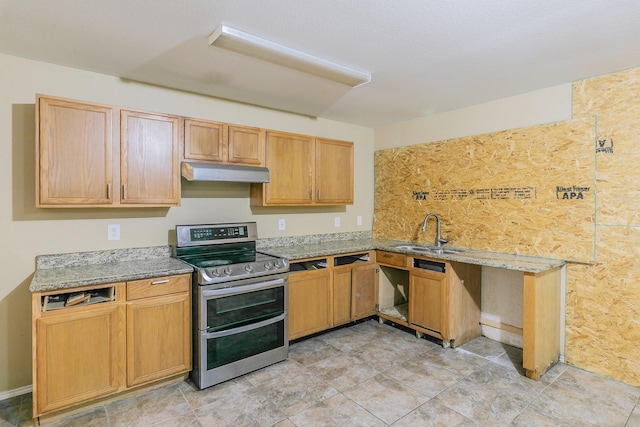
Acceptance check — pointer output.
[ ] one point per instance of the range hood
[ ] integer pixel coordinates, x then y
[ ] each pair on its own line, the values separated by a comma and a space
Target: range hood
196, 171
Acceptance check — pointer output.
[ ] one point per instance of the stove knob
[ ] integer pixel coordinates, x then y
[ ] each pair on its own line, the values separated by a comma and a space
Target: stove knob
215, 272
248, 268
227, 271
268, 265
278, 264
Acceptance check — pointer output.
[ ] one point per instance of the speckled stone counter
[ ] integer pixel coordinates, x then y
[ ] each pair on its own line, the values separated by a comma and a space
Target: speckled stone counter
298, 250
61, 271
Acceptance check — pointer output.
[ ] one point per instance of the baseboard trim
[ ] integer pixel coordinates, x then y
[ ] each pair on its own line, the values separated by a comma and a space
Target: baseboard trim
4, 395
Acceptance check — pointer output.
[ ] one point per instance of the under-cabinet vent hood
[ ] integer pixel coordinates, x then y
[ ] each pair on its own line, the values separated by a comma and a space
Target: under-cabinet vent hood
194, 171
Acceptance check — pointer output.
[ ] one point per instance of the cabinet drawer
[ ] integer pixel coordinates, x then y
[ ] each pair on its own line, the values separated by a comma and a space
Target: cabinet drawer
391, 258
157, 286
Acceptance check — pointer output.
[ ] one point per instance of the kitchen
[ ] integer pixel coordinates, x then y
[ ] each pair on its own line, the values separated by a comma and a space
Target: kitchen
600, 343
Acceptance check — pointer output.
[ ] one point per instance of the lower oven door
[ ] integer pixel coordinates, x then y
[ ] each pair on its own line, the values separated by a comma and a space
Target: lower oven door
246, 328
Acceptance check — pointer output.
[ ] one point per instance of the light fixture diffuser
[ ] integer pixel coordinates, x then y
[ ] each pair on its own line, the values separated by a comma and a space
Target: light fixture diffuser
238, 41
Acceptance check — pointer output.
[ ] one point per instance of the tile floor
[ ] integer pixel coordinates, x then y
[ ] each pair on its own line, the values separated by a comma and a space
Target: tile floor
371, 374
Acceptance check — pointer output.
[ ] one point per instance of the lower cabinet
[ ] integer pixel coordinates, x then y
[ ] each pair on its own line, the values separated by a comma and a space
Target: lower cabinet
79, 356
354, 292
96, 341
431, 296
158, 342
309, 296
331, 291
426, 302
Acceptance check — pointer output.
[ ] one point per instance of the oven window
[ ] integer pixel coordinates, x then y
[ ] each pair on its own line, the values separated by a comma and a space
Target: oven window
231, 348
238, 310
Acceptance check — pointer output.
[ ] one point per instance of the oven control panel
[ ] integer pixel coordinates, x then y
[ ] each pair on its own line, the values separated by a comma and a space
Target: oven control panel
190, 235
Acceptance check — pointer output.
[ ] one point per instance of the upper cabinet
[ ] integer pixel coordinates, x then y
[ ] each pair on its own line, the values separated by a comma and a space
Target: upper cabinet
91, 155
305, 171
74, 154
223, 143
149, 159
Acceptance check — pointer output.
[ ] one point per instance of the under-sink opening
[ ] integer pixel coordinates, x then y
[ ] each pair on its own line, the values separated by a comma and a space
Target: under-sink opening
393, 293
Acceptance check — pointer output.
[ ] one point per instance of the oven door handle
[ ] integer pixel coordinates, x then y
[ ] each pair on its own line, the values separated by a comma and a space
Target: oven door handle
242, 289
245, 328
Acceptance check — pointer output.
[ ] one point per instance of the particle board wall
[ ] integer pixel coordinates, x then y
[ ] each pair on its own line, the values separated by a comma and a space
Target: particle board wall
526, 191
603, 300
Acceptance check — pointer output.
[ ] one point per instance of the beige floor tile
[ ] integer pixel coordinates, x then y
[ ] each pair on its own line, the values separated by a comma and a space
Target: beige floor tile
187, 420
386, 398
239, 387
150, 408
424, 376
456, 360
485, 347
311, 351
338, 411
92, 418
346, 340
530, 418
433, 414
574, 407
491, 394
284, 423
634, 419
343, 371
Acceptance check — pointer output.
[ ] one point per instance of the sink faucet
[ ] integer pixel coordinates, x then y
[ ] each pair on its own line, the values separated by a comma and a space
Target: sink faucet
439, 239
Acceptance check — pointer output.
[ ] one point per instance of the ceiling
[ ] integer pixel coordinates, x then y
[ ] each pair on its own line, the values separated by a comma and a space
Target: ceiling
425, 56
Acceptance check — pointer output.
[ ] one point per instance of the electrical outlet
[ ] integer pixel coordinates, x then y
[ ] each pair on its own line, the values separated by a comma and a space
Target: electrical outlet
336, 221
281, 225
113, 232
359, 220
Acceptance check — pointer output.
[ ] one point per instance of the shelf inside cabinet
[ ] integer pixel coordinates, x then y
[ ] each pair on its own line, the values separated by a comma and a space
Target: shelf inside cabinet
76, 298
351, 259
316, 264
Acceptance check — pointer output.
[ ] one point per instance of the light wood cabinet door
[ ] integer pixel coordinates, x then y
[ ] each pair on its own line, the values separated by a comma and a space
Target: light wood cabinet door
341, 295
246, 146
363, 290
73, 153
158, 338
205, 140
289, 159
80, 355
149, 161
334, 172
426, 299
309, 296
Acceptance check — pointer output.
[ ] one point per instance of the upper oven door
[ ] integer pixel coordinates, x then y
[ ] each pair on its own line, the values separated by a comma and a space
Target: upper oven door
246, 302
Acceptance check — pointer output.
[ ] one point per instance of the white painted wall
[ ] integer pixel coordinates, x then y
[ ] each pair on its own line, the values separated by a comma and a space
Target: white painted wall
27, 231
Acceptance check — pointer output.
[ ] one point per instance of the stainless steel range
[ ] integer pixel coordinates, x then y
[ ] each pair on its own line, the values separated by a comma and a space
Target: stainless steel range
240, 319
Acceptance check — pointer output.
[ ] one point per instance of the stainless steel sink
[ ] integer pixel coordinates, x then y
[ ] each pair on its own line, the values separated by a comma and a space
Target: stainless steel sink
432, 249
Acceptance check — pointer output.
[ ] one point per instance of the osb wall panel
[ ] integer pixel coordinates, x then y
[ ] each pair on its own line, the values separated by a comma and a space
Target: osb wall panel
603, 300
526, 191
615, 100
603, 307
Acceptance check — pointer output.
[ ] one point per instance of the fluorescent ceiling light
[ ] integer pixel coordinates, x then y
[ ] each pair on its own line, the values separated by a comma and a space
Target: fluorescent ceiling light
246, 44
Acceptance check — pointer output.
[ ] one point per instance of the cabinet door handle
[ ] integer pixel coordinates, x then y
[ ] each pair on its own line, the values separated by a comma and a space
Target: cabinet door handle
310, 194
387, 256
124, 191
318, 195
109, 191
160, 282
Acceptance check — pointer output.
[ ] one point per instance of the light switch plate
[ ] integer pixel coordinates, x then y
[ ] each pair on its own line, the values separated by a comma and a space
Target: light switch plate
113, 232
359, 220
336, 221
281, 225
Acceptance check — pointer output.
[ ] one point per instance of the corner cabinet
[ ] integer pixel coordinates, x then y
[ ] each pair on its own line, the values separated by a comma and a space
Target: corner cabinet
94, 342
218, 142
305, 171
92, 155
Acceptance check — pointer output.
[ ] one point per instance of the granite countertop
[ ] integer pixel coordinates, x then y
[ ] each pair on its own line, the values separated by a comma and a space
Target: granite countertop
61, 271
523, 263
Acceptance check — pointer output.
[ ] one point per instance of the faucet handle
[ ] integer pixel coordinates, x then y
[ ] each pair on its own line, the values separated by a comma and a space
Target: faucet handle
443, 240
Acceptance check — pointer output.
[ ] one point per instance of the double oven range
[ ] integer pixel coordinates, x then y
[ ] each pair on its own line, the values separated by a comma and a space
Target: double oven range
239, 301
